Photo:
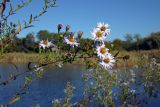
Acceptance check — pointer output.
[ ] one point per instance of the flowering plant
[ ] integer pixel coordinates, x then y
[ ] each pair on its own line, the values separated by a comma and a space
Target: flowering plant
100, 80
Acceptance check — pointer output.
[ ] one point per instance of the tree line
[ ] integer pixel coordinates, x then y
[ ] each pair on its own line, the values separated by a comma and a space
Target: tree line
131, 42
136, 42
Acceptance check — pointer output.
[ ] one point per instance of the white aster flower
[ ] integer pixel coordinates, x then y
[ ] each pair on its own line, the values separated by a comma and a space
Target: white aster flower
132, 91
39, 69
108, 61
104, 27
55, 101
98, 34
71, 41
132, 79
45, 44
102, 51
126, 83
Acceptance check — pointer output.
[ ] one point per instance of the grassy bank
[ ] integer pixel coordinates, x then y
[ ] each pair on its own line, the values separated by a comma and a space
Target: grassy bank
19, 57
135, 57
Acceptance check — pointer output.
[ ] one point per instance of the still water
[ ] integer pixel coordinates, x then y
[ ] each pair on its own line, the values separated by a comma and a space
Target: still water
43, 90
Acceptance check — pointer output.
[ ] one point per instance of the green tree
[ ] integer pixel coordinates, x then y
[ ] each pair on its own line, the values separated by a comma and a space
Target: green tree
29, 42
129, 41
118, 44
137, 38
43, 34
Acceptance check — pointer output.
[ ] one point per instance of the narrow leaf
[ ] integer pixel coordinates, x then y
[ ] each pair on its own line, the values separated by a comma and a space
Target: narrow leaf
17, 98
11, 7
19, 23
30, 0
116, 54
30, 20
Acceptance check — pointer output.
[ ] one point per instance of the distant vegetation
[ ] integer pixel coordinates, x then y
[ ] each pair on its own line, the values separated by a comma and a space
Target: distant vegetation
135, 42
131, 42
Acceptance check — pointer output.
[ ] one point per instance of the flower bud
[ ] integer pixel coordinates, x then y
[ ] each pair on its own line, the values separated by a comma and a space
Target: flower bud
18, 30
59, 27
71, 34
126, 57
80, 33
5, 82
67, 28
4, 1
86, 46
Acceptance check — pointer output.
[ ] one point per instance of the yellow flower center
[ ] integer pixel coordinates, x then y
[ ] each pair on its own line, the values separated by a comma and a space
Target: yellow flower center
71, 39
45, 42
103, 50
107, 60
103, 28
99, 34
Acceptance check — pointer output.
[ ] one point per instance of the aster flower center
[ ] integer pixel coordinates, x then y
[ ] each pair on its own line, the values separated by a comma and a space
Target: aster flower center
45, 42
107, 60
103, 50
103, 28
99, 34
71, 39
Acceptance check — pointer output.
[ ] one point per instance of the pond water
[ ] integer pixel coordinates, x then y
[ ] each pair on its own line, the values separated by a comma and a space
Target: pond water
43, 90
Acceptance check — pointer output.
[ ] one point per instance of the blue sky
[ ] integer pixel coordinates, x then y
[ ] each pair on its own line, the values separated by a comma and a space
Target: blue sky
123, 16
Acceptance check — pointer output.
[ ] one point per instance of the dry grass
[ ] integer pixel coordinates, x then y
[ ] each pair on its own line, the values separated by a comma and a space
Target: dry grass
33, 57
19, 57
135, 57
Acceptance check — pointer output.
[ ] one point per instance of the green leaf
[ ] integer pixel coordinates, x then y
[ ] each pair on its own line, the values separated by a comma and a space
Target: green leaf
30, 0
110, 92
25, 24
28, 79
19, 23
17, 98
46, 2
11, 8
30, 20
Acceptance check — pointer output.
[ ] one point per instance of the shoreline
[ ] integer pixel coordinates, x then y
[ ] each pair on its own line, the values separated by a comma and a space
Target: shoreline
23, 58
